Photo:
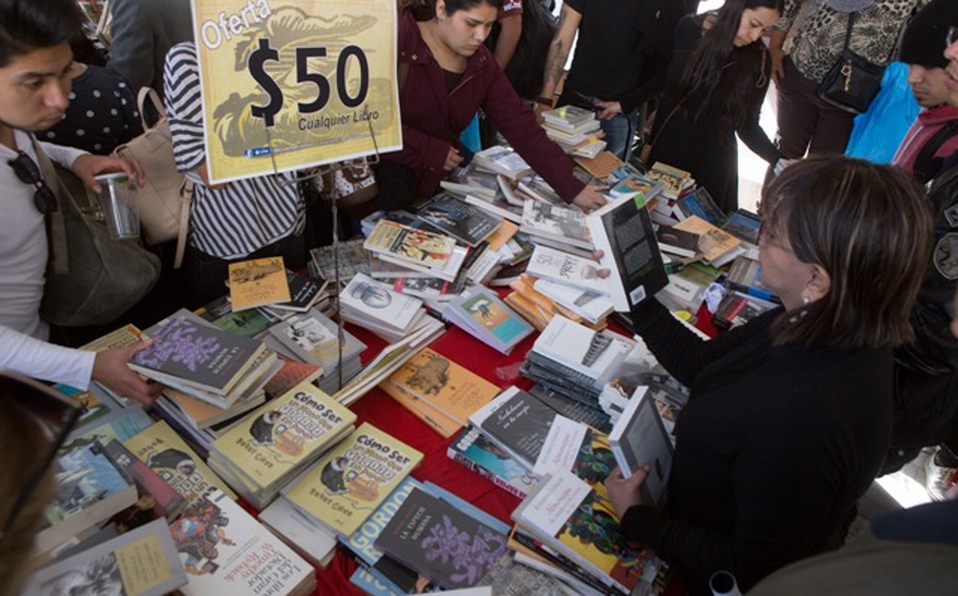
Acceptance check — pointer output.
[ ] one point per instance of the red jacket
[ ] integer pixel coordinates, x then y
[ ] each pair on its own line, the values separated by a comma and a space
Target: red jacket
433, 119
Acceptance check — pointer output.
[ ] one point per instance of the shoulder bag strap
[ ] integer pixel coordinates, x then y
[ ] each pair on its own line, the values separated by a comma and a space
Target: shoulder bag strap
848, 29
56, 228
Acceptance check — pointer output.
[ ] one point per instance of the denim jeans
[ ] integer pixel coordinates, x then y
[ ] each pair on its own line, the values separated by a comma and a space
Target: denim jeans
620, 134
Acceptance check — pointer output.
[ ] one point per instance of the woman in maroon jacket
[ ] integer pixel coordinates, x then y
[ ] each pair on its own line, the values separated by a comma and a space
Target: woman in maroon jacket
446, 74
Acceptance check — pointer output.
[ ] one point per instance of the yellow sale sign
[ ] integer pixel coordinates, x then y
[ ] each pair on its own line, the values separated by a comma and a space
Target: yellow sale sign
289, 84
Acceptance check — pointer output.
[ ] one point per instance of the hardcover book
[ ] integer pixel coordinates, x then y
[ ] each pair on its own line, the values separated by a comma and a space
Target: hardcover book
434, 537
350, 481
410, 245
141, 562
167, 454
639, 439
204, 357
481, 313
258, 282
622, 230
278, 438
451, 388
225, 551
464, 222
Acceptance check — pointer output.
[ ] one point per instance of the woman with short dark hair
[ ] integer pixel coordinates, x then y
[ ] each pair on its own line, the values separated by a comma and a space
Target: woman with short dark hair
789, 415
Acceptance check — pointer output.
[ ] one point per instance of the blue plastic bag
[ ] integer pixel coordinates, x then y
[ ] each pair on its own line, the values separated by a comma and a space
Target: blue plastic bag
879, 131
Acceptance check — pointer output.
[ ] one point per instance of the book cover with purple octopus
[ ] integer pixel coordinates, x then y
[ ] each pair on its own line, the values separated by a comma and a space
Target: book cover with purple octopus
438, 540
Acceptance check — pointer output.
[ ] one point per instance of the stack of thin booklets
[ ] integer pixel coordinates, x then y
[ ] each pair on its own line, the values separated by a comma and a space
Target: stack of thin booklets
314, 339
416, 249
574, 360
440, 392
203, 361
377, 307
481, 313
351, 480
261, 454
577, 130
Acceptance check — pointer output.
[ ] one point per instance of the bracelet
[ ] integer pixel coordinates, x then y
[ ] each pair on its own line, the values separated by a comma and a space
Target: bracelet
544, 101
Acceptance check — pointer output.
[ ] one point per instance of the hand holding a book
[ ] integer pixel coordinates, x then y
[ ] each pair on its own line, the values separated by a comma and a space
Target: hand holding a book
589, 198
111, 370
453, 159
625, 492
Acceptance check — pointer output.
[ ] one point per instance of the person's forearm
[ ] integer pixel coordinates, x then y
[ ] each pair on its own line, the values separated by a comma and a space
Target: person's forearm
508, 40
559, 50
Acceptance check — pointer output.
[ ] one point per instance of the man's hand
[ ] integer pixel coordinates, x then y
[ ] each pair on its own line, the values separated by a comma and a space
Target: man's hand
625, 492
88, 166
453, 159
590, 198
110, 369
608, 109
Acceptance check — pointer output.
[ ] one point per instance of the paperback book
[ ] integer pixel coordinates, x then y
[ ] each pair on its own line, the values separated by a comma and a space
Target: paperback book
258, 282
464, 222
374, 305
477, 452
517, 423
408, 244
592, 353
502, 160
568, 269
638, 440
350, 481
560, 223
716, 245
481, 313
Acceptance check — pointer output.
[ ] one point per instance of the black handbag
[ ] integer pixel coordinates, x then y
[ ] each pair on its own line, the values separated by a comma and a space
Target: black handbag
91, 279
852, 82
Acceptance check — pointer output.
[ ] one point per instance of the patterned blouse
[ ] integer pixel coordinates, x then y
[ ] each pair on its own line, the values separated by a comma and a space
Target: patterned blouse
821, 34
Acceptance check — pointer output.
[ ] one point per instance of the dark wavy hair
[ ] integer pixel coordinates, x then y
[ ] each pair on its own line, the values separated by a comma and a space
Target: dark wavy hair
28, 25
870, 227
717, 66
423, 10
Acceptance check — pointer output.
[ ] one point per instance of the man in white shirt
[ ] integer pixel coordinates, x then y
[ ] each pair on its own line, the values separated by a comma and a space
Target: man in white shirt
35, 78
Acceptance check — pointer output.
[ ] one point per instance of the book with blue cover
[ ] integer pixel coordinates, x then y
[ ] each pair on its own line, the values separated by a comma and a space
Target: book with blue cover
481, 313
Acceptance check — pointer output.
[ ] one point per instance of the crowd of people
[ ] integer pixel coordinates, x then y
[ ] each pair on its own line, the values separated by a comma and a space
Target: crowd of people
790, 417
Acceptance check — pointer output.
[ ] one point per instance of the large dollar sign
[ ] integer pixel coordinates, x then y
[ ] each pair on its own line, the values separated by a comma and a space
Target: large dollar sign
256, 70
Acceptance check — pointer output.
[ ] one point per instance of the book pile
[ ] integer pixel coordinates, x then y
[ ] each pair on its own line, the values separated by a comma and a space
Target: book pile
314, 339
559, 226
500, 159
427, 252
263, 452
536, 300
438, 391
341, 260
575, 361
577, 130
470, 180
376, 306
481, 313
353, 479
454, 217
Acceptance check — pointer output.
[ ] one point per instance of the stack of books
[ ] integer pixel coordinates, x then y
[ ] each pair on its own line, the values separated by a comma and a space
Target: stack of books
481, 313
577, 130
717, 246
454, 217
262, 453
376, 306
469, 180
419, 250
500, 159
439, 391
353, 479
538, 308
558, 226
591, 306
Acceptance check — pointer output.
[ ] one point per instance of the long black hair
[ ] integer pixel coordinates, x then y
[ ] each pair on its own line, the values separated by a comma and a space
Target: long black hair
28, 25
717, 66
424, 10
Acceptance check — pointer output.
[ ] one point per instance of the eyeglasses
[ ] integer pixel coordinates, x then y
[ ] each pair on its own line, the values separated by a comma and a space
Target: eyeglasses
29, 173
54, 413
952, 36
767, 238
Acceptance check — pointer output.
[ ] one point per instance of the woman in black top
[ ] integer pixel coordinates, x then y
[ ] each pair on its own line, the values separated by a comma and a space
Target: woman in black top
789, 416
716, 84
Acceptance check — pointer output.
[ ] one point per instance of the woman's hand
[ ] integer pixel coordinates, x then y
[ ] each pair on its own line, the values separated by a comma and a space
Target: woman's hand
625, 492
589, 198
608, 109
453, 159
88, 166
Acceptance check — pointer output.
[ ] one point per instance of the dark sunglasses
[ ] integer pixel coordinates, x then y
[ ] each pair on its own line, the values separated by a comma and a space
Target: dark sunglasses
29, 173
56, 416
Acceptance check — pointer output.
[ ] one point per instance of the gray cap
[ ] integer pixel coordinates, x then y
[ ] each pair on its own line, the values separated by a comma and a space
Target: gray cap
849, 5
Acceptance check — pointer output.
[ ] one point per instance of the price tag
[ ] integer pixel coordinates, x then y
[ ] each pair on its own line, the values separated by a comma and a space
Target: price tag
290, 84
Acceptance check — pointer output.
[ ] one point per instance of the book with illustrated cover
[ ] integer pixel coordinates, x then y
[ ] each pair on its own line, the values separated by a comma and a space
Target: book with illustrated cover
481, 313
436, 538
744, 225
517, 423
291, 374
118, 424
676, 241
638, 439
425, 411
715, 244
167, 454
502, 160
304, 291
674, 180
312, 336
622, 230
167, 502
592, 353
90, 488
225, 551
366, 300
477, 452
631, 185
449, 387
275, 440
560, 223
141, 562
351, 480
700, 203
565, 268
410, 245
257, 282
430, 288
464, 222
199, 356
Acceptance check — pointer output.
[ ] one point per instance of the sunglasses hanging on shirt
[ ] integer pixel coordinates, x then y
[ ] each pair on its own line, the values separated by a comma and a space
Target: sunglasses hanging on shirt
29, 173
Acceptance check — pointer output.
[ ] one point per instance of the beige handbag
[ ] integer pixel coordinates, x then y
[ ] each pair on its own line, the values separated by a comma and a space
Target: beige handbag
165, 197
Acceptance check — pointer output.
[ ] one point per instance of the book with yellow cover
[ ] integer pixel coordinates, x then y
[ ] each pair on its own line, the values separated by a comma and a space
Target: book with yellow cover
277, 438
167, 454
438, 421
449, 387
353, 479
714, 242
258, 282
409, 244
